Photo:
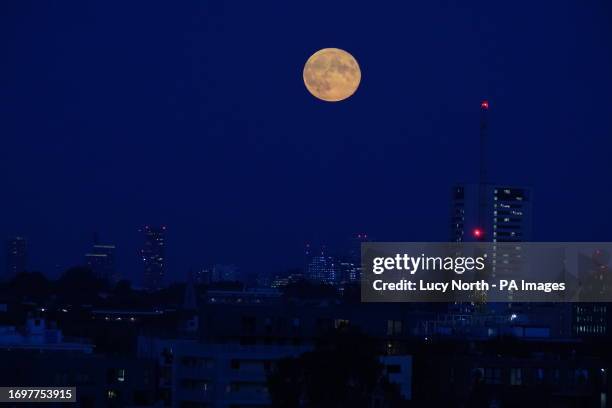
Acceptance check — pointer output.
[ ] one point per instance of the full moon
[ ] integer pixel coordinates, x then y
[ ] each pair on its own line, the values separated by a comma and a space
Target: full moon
332, 74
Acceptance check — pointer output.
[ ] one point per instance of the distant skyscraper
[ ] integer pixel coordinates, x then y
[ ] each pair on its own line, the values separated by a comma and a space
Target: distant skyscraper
491, 213
593, 319
322, 268
154, 256
354, 251
338, 267
487, 212
348, 271
101, 260
16, 256
352, 266
307, 256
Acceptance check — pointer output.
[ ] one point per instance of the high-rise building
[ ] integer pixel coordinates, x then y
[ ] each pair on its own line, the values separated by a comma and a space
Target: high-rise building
16, 256
101, 260
322, 268
496, 214
593, 319
351, 266
491, 213
153, 256
354, 251
338, 267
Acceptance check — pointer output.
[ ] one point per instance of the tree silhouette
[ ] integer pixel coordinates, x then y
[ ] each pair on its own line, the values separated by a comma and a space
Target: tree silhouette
343, 371
79, 285
32, 285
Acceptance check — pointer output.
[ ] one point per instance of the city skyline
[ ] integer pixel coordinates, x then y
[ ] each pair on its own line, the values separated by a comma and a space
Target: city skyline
339, 204
248, 167
474, 229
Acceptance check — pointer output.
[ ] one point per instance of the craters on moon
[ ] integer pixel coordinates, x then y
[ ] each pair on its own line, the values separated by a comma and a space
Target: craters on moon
332, 74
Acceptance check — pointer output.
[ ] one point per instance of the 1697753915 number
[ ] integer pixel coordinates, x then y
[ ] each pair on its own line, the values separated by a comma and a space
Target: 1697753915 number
37, 394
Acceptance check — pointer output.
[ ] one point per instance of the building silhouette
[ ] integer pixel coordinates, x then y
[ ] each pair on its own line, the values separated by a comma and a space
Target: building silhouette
153, 255
323, 268
16, 257
502, 215
101, 260
351, 265
486, 211
492, 212
340, 266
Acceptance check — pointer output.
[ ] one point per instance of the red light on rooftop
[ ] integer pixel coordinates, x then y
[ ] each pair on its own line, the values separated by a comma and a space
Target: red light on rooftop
477, 233
484, 105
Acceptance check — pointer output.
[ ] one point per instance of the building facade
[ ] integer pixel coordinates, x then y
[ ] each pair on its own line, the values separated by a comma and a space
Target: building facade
154, 256
491, 213
323, 268
101, 260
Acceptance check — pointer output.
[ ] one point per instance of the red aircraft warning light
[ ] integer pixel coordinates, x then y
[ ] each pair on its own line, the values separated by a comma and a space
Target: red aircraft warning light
477, 233
484, 105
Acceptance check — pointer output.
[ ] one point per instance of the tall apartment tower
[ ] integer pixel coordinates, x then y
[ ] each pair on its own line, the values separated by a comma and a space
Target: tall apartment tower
492, 212
351, 265
16, 257
101, 260
321, 267
153, 255
486, 211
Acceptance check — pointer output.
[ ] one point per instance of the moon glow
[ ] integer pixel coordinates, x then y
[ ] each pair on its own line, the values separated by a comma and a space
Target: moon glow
332, 74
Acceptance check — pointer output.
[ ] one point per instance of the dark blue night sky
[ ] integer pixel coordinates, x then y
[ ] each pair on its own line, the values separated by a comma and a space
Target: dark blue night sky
194, 115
